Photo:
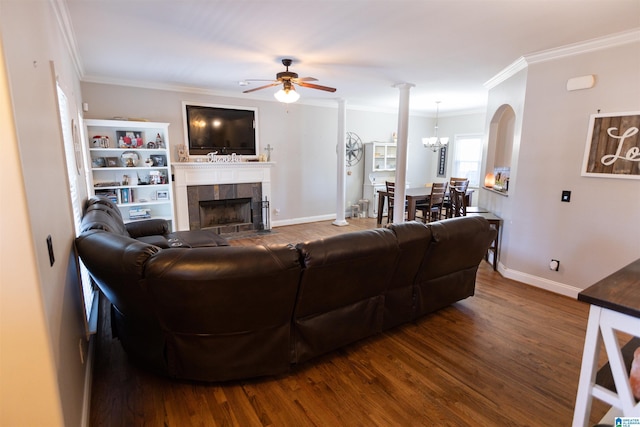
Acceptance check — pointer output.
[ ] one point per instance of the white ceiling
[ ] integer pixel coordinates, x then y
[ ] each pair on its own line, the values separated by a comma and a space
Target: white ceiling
447, 48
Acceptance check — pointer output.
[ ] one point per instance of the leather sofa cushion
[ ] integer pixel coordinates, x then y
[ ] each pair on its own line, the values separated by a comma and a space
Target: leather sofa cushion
99, 217
226, 311
341, 293
449, 268
414, 239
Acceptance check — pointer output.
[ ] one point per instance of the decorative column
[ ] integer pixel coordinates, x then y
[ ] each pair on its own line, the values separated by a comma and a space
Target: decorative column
341, 147
401, 151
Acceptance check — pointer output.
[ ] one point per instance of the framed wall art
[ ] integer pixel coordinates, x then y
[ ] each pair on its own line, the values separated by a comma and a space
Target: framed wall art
613, 146
442, 162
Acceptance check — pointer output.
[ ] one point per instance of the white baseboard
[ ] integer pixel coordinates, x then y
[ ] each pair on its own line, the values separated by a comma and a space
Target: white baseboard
304, 220
539, 282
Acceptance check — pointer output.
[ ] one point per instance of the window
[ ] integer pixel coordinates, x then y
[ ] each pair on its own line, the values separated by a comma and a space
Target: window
467, 157
75, 156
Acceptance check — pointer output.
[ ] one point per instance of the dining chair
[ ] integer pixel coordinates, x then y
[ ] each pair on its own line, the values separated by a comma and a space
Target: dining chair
461, 184
458, 200
391, 191
432, 210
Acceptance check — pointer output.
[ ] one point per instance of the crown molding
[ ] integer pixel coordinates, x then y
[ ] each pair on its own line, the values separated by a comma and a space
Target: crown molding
612, 40
61, 13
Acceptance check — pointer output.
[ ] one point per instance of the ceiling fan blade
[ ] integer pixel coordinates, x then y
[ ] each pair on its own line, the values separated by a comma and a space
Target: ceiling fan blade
261, 87
259, 80
307, 79
314, 86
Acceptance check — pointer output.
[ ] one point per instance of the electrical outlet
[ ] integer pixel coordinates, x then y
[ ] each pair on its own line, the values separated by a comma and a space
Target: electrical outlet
277, 211
554, 265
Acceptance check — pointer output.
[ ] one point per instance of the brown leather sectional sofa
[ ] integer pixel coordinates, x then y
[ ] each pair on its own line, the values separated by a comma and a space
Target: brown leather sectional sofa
217, 313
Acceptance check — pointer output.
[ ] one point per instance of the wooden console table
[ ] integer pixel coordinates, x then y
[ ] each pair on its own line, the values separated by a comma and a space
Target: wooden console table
496, 222
615, 306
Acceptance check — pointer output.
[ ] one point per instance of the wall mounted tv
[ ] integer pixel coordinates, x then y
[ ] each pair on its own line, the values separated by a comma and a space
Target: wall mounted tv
220, 128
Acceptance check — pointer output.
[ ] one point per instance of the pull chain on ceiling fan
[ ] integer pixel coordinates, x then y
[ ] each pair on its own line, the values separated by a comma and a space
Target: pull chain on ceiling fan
288, 79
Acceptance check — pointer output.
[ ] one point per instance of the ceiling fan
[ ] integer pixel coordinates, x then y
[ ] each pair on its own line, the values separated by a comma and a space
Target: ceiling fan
287, 79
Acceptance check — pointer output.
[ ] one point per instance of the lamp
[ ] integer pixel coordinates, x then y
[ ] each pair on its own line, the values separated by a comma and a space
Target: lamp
435, 142
489, 180
287, 94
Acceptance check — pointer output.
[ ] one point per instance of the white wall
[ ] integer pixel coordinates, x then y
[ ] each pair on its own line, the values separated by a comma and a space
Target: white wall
43, 378
303, 137
597, 232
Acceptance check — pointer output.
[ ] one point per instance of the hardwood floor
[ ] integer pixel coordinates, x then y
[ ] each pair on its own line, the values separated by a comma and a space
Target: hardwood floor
508, 356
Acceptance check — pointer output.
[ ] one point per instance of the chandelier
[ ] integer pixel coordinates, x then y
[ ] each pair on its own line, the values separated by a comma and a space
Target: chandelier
434, 142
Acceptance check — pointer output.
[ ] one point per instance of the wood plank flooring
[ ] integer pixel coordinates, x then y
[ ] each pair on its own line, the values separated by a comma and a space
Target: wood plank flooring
508, 356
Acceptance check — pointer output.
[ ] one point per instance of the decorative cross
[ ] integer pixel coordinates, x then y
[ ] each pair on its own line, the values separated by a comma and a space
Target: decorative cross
268, 149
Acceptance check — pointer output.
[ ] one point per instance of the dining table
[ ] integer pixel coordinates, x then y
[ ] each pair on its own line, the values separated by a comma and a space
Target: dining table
413, 196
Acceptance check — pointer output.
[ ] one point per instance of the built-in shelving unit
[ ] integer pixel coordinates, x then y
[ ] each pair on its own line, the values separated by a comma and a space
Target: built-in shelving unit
130, 162
379, 167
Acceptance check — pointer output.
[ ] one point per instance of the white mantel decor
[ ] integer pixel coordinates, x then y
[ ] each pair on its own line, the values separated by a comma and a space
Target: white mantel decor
212, 173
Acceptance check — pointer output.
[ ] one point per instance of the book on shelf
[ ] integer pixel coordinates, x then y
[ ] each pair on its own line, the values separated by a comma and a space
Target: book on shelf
139, 213
109, 194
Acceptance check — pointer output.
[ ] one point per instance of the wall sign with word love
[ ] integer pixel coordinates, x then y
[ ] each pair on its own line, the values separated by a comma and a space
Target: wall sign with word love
613, 146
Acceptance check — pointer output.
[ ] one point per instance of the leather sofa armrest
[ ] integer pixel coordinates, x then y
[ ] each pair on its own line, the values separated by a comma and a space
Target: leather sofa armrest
150, 227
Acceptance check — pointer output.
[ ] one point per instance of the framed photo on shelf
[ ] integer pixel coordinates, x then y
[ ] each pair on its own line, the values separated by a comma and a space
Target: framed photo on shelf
112, 162
129, 138
98, 162
162, 195
159, 160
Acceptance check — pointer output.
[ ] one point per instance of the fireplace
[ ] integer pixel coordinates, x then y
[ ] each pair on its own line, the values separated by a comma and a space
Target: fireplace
226, 208
218, 213
188, 177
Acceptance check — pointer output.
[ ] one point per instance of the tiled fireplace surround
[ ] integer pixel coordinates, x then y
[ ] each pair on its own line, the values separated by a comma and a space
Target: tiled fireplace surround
243, 182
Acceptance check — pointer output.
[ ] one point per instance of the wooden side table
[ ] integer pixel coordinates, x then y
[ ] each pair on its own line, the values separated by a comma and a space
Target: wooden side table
615, 306
496, 222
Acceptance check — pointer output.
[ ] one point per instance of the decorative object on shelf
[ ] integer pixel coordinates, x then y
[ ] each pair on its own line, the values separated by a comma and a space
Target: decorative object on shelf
287, 79
125, 179
162, 195
353, 147
129, 139
501, 179
211, 157
183, 155
489, 180
148, 162
156, 177
435, 142
130, 159
613, 146
98, 162
112, 162
268, 149
100, 142
228, 158
159, 142
151, 145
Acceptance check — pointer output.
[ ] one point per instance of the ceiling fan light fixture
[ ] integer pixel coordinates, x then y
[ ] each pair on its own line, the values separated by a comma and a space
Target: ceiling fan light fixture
287, 95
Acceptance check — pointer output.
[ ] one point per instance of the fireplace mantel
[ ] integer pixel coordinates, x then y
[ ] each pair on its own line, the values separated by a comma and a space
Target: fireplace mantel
212, 173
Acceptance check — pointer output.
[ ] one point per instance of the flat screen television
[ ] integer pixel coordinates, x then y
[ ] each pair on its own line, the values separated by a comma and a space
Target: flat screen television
220, 128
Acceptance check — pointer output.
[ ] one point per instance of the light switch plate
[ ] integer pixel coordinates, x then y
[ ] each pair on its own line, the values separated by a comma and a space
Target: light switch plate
566, 196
